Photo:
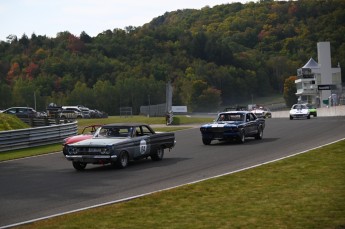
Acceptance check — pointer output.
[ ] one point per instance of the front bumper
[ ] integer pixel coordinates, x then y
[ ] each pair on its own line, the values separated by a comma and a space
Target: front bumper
96, 159
299, 115
220, 133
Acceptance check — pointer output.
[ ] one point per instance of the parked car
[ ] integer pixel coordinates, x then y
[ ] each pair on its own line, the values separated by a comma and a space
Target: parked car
118, 144
74, 108
233, 125
299, 111
86, 133
21, 112
69, 114
312, 110
85, 110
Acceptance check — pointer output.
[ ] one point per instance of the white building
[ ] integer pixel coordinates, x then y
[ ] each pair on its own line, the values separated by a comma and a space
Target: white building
319, 83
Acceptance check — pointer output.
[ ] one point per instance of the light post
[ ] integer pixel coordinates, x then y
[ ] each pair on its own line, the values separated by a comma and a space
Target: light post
148, 115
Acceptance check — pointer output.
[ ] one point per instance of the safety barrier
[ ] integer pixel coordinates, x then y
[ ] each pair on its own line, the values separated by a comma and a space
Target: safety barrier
38, 136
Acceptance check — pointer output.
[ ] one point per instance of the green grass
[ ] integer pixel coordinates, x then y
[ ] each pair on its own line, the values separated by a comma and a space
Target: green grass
11, 122
304, 191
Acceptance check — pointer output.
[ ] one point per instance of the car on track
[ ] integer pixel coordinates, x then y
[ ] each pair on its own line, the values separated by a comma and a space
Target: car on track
262, 112
312, 109
118, 144
233, 125
86, 133
299, 111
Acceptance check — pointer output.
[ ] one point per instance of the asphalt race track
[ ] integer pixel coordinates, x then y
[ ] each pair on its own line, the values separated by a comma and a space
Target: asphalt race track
42, 186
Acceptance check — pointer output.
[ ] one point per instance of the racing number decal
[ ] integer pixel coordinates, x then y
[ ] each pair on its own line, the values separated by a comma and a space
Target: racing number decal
143, 146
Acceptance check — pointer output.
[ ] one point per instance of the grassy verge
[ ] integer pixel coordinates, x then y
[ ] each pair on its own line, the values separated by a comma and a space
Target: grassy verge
305, 191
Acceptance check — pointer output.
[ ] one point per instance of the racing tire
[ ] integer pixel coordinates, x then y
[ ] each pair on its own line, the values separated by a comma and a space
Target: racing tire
242, 137
122, 161
206, 141
158, 155
80, 166
260, 133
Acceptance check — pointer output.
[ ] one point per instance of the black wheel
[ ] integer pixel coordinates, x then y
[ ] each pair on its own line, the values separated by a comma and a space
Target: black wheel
242, 137
158, 155
79, 165
122, 160
260, 133
315, 115
291, 117
308, 117
206, 141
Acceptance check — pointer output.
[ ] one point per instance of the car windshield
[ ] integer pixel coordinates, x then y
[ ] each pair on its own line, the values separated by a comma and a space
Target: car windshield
299, 106
115, 131
230, 117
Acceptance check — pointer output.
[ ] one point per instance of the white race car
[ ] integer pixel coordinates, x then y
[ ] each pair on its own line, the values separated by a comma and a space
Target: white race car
262, 112
299, 111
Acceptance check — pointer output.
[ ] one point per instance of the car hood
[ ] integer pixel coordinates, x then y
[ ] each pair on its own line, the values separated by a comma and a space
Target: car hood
299, 111
100, 142
77, 138
222, 124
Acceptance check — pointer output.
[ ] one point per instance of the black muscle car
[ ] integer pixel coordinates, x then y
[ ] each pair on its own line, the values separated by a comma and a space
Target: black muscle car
118, 144
233, 125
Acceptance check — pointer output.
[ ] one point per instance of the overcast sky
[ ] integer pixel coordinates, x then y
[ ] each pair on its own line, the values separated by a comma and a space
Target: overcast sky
49, 17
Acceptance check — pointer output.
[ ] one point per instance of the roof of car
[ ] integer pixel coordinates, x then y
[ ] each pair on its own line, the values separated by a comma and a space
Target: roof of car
235, 112
30, 108
125, 124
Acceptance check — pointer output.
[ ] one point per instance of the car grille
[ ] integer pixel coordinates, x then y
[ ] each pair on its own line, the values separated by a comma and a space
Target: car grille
89, 151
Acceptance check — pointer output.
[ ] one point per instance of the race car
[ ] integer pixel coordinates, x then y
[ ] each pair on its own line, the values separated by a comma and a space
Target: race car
119, 143
233, 125
299, 111
262, 112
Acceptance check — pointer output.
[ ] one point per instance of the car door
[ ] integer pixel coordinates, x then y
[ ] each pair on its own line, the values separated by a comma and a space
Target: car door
141, 140
250, 124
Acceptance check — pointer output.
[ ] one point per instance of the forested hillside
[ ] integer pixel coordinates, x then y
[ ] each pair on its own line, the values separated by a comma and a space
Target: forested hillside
214, 56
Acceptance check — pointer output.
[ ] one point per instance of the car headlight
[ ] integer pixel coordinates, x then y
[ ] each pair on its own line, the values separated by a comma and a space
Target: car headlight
72, 150
105, 151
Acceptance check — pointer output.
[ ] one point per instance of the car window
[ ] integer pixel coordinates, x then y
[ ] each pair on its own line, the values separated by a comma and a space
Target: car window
21, 110
115, 131
251, 117
235, 117
11, 111
146, 130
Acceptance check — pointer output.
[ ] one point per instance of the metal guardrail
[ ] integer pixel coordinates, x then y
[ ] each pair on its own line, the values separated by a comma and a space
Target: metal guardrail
36, 122
38, 136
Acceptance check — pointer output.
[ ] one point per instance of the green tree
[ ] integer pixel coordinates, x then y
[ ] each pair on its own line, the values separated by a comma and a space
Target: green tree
23, 92
290, 91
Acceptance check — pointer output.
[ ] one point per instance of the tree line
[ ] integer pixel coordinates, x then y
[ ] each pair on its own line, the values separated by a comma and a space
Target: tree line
213, 57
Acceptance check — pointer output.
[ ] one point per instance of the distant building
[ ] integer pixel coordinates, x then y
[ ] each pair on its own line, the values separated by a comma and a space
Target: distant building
319, 83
